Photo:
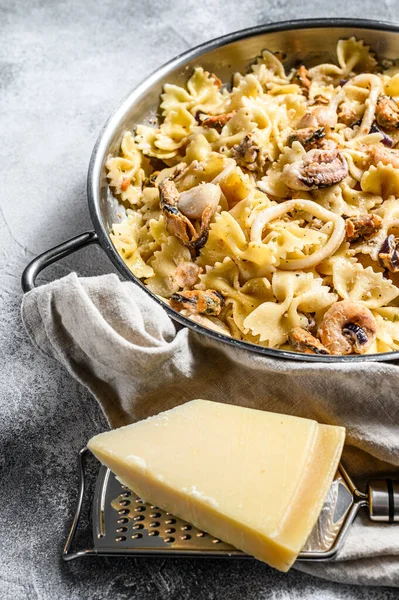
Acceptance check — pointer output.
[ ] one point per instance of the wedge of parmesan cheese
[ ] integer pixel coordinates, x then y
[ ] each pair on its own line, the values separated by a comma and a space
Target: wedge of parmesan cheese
255, 479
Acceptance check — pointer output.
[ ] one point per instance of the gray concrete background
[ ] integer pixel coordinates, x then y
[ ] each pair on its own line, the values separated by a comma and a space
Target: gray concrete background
63, 67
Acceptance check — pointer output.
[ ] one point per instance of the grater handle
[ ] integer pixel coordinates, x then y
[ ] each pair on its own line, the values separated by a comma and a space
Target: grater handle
67, 554
383, 500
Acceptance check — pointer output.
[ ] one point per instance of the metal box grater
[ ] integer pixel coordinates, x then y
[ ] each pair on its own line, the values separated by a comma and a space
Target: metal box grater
122, 524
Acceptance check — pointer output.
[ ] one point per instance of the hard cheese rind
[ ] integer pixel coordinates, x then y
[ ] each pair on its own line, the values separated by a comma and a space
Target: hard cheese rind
254, 479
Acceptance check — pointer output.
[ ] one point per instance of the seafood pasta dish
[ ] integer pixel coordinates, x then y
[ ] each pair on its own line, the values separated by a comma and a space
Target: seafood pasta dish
267, 208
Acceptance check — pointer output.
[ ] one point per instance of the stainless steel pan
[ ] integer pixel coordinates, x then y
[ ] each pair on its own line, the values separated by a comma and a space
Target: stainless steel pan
309, 40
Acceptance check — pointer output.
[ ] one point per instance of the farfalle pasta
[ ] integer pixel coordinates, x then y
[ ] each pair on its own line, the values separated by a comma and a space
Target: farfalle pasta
267, 208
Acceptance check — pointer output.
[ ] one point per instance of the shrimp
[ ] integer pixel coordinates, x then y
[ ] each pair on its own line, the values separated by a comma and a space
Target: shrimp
187, 274
320, 116
217, 81
387, 113
217, 121
386, 156
363, 227
348, 327
301, 77
208, 302
303, 341
316, 169
348, 113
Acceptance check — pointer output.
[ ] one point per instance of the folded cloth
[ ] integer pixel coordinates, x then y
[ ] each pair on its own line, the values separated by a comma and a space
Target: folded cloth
113, 338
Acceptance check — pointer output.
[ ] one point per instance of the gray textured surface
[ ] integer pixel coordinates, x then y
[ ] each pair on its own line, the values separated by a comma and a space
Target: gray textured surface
63, 67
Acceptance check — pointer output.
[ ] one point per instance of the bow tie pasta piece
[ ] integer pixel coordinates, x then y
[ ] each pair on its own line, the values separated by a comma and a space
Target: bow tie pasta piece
365, 88
268, 121
353, 282
205, 89
387, 328
178, 109
127, 172
345, 200
173, 97
271, 183
358, 202
224, 278
203, 93
332, 199
126, 238
270, 322
199, 150
391, 83
151, 236
272, 133
247, 86
227, 239
178, 124
354, 55
269, 68
164, 280
289, 241
146, 139
382, 180
236, 186
295, 293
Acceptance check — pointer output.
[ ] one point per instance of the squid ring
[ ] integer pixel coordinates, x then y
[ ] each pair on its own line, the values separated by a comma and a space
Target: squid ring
274, 212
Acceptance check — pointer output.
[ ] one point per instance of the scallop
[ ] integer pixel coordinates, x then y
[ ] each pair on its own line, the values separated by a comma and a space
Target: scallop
192, 203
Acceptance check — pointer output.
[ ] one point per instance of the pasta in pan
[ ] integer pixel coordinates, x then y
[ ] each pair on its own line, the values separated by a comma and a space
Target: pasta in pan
269, 210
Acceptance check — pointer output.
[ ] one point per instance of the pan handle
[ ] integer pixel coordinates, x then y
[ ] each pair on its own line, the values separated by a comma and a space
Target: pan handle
45, 259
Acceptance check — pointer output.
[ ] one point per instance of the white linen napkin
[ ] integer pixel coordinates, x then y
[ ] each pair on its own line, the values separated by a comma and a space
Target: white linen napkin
113, 338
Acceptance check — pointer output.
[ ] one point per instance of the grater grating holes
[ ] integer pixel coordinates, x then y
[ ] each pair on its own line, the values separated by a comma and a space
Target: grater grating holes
145, 526
109, 516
